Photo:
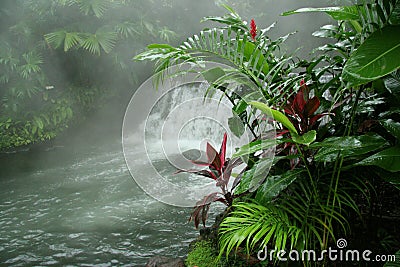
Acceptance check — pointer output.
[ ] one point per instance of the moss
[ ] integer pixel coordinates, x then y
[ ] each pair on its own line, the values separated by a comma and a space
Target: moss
203, 254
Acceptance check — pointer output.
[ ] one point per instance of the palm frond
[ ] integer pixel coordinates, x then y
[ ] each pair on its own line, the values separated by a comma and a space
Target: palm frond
63, 38
33, 60
100, 40
127, 29
255, 226
97, 7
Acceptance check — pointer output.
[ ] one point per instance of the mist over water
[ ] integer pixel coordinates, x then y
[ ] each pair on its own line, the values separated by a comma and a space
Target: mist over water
72, 201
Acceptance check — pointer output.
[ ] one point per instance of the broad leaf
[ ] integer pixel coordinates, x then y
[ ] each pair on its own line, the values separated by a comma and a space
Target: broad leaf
253, 55
348, 146
388, 159
378, 56
273, 185
392, 82
275, 114
236, 126
305, 139
255, 146
337, 13
213, 74
252, 178
392, 127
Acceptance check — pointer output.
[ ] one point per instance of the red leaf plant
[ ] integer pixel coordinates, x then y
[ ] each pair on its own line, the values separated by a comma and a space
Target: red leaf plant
220, 170
300, 110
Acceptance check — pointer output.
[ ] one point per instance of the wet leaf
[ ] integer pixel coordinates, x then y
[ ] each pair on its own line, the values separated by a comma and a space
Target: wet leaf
275, 114
273, 185
255, 146
392, 127
337, 13
348, 146
378, 56
251, 179
305, 139
388, 159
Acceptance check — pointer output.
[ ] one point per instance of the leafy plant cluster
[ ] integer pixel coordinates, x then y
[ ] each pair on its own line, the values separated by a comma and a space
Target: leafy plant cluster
337, 126
61, 58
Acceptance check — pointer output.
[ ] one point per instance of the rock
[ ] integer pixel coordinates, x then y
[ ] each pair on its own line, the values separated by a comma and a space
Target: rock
160, 261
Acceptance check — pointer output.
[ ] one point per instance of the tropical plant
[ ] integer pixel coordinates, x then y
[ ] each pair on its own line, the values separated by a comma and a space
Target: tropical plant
220, 170
324, 180
54, 67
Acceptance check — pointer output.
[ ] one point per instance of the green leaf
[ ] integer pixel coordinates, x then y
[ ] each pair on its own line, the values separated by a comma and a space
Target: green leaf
388, 159
213, 74
348, 146
273, 185
71, 39
275, 114
255, 146
252, 178
378, 56
392, 127
392, 82
395, 15
390, 177
253, 54
162, 46
240, 107
337, 13
236, 126
305, 139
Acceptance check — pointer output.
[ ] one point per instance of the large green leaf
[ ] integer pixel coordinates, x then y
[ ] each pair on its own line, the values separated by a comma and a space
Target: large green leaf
252, 178
273, 185
275, 114
236, 126
305, 139
392, 127
337, 13
388, 159
348, 146
255, 146
378, 56
392, 82
254, 55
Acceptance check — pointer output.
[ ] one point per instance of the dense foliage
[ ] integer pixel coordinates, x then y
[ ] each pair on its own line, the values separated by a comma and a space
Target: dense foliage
337, 126
59, 59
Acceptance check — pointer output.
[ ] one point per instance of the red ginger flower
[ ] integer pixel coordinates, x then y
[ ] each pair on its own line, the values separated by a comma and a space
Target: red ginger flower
253, 29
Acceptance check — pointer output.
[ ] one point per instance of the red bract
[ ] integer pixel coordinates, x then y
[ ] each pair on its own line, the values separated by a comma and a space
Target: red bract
253, 29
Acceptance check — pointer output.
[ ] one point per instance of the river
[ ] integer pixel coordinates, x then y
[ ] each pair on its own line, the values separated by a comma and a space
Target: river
78, 205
